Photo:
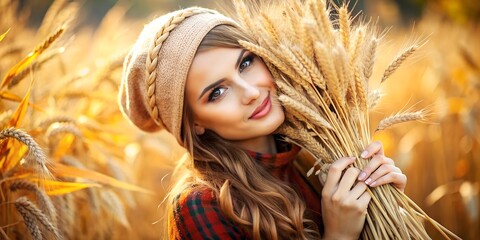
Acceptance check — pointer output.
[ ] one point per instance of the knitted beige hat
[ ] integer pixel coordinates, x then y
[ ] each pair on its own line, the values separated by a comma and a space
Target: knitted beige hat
155, 70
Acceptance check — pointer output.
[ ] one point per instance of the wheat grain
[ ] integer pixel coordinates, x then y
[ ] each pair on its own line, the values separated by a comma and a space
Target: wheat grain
397, 62
400, 118
39, 159
25, 207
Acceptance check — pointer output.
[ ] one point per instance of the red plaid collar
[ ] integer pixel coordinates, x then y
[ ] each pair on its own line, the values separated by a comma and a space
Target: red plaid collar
286, 153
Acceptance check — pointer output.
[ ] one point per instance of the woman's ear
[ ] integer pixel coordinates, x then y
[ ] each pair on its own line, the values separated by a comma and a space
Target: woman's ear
199, 130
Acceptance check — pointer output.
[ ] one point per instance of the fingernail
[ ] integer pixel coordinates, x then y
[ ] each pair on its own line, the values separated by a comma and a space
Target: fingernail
362, 176
368, 181
373, 184
364, 154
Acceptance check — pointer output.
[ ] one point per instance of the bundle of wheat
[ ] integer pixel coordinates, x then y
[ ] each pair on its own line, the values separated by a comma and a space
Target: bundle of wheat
322, 67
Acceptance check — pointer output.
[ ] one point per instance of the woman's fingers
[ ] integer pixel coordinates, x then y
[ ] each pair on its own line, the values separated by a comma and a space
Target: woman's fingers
346, 183
373, 165
399, 180
375, 148
381, 171
335, 173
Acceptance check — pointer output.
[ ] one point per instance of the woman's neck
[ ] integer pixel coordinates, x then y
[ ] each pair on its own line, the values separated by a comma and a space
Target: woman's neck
264, 144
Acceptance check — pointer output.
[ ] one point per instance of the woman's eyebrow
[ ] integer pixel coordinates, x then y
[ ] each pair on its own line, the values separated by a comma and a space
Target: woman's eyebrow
211, 86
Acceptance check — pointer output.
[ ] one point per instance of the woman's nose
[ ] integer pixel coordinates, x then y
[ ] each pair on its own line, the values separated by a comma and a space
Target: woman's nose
249, 92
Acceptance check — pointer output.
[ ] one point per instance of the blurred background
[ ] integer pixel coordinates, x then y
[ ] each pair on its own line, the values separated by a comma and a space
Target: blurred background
74, 116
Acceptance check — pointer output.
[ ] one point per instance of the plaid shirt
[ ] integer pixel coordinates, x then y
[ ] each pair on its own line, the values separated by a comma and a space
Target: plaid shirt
196, 212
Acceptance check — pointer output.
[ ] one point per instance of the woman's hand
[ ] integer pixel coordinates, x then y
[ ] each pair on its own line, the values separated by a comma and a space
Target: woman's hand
344, 202
344, 197
381, 170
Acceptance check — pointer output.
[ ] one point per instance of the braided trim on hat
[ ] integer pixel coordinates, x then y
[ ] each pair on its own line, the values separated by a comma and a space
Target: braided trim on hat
152, 56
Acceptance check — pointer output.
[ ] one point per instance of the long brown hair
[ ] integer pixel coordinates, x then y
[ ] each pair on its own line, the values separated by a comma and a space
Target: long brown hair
240, 183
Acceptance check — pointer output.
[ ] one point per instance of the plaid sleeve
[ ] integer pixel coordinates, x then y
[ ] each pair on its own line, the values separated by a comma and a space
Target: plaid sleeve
196, 215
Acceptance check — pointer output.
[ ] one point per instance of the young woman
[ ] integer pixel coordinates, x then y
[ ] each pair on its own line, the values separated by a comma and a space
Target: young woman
187, 74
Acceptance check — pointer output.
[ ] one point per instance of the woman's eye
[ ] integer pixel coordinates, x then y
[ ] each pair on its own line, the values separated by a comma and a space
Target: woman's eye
246, 62
216, 93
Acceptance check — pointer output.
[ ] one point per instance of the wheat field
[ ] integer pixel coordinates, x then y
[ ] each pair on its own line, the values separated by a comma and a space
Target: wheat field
71, 166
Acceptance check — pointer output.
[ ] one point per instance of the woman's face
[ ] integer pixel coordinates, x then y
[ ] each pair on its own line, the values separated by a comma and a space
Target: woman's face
232, 93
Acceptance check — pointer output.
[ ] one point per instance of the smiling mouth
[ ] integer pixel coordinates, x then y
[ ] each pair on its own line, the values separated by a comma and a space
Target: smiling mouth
263, 109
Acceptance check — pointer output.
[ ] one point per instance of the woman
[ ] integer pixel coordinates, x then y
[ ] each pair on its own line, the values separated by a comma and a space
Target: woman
187, 74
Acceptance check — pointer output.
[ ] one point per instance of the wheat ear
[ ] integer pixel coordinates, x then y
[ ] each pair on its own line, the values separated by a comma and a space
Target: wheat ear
308, 113
400, 118
57, 119
50, 40
344, 20
40, 160
370, 60
25, 207
30, 221
44, 202
373, 98
397, 62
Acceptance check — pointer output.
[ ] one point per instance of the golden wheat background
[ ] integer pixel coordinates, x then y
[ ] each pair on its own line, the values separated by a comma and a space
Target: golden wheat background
73, 118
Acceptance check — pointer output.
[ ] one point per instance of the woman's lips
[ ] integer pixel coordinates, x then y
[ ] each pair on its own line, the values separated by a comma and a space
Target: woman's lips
263, 109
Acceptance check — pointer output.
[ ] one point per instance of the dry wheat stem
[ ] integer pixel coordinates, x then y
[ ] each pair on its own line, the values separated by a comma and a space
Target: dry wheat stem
397, 62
